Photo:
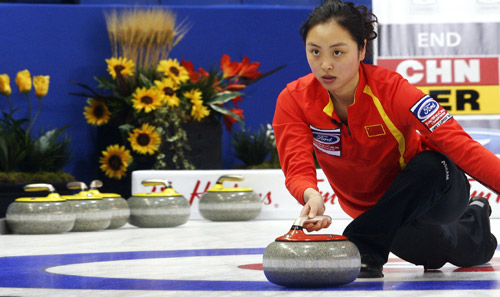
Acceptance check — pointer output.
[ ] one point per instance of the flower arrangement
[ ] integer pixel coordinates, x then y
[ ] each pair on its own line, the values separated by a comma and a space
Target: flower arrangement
21, 151
149, 97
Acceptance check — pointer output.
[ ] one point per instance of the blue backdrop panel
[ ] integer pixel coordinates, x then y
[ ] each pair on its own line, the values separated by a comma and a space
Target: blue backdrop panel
310, 3
70, 43
207, 2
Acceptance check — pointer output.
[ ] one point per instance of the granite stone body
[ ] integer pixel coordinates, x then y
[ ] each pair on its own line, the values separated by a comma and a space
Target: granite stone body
156, 211
40, 217
91, 214
311, 264
230, 205
120, 212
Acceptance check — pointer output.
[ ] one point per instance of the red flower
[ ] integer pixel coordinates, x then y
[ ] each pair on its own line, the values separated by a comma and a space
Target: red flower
193, 75
230, 120
235, 100
249, 70
244, 69
203, 72
229, 68
235, 86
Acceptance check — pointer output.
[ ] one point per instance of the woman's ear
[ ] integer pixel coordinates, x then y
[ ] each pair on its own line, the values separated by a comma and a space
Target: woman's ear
362, 52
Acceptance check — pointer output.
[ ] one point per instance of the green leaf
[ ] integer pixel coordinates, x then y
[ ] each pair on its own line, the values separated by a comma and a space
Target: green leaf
126, 128
222, 98
251, 81
46, 152
251, 147
47, 140
224, 110
15, 141
145, 81
4, 155
104, 83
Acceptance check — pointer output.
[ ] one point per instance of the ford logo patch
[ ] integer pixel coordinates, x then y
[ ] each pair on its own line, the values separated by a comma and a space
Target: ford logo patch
325, 138
427, 108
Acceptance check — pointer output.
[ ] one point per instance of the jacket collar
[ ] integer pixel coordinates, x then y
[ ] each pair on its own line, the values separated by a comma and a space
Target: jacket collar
329, 109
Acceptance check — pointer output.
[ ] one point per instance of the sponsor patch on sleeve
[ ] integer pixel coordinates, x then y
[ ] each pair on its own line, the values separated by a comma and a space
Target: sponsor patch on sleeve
327, 140
430, 113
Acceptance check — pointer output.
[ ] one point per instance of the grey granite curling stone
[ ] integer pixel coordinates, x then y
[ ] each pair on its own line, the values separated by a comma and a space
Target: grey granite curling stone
229, 204
156, 210
40, 215
301, 260
92, 213
120, 212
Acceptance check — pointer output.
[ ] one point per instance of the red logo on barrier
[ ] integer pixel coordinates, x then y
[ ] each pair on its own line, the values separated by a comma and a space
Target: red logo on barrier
196, 193
266, 199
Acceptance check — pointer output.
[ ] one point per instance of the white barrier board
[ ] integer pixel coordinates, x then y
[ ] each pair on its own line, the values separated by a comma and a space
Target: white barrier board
277, 203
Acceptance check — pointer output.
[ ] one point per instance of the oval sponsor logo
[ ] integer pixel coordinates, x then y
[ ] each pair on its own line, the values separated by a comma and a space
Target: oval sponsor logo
427, 109
325, 138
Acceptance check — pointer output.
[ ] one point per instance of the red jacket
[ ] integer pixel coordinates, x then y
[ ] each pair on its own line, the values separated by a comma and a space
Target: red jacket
390, 122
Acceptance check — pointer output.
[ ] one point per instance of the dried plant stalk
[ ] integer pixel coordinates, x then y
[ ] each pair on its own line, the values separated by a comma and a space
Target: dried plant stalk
145, 36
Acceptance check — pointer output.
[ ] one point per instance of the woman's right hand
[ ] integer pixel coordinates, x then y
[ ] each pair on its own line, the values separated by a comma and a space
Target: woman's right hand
314, 206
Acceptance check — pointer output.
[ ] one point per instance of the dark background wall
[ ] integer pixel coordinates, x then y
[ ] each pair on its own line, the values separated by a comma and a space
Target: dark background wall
70, 43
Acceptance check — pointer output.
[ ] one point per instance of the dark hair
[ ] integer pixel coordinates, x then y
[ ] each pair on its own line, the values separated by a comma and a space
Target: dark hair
357, 20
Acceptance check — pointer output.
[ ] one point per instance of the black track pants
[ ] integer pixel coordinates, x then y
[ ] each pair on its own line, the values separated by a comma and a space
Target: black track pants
424, 218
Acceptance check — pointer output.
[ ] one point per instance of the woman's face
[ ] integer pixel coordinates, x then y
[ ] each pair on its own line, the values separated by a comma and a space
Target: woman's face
334, 57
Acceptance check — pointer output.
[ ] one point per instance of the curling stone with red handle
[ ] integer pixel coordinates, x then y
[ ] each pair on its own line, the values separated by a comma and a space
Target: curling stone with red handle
92, 213
120, 212
304, 260
229, 204
40, 215
156, 210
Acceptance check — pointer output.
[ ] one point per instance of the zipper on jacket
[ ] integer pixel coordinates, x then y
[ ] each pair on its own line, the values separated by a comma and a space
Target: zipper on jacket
339, 125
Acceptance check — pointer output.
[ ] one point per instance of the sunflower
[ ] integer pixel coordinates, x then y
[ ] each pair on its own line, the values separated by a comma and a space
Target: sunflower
115, 160
168, 87
147, 99
144, 140
173, 70
122, 65
194, 95
97, 113
199, 111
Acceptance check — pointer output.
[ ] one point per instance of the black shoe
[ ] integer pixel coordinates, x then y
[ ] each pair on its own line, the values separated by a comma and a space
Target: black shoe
494, 241
481, 200
369, 269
